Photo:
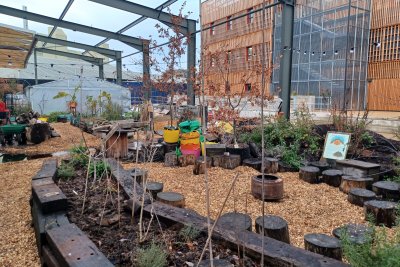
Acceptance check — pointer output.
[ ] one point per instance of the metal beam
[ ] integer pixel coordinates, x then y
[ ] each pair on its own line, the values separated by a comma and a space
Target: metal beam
119, 68
67, 6
191, 63
35, 62
285, 70
129, 40
106, 52
93, 60
135, 22
146, 71
149, 12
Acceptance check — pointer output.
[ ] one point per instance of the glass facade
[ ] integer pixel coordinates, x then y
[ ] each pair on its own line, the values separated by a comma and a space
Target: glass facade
330, 52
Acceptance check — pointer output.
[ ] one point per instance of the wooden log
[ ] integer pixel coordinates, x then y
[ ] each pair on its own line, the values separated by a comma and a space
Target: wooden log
309, 174
254, 150
38, 132
254, 163
139, 174
284, 167
349, 182
274, 227
321, 165
387, 189
383, 212
217, 160
154, 188
216, 263
358, 196
169, 147
171, 198
323, 244
171, 160
356, 233
117, 145
270, 189
186, 160
49, 198
271, 165
332, 177
200, 165
230, 162
48, 169
243, 151
235, 221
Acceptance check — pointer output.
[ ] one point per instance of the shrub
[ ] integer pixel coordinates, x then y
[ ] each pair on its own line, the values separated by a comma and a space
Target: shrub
153, 256
101, 168
66, 171
79, 157
189, 233
53, 115
112, 112
135, 115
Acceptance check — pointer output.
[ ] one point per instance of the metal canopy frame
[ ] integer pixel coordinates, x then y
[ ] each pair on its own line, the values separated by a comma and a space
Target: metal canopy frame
186, 27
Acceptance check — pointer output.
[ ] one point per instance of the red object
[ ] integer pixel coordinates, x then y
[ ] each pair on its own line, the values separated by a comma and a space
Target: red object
4, 113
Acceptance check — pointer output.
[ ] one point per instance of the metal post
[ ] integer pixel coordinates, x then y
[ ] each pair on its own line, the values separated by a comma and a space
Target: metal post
285, 71
119, 67
35, 63
146, 70
191, 62
101, 69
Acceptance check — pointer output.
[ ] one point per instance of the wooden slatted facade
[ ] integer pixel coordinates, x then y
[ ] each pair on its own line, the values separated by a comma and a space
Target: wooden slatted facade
384, 56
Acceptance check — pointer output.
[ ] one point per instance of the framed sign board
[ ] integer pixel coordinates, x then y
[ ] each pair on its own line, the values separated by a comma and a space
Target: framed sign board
336, 145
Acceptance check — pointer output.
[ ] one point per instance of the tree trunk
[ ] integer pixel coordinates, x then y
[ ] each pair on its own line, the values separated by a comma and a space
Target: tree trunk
309, 174
323, 244
358, 196
199, 165
172, 198
274, 227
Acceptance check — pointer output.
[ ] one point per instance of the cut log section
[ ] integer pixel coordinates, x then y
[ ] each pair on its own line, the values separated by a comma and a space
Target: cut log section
388, 190
309, 174
154, 188
274, 227
216, 263
332, 177
356, 233
235, 221
169, 147
383, 212
200, 165
186, 160
321, 165
271, 165
358, 196
271, 189
254, 163
217, 160
230, 162
254, 150
139, 174
171, 160
323, 244
172, 198
243, 151
349, 182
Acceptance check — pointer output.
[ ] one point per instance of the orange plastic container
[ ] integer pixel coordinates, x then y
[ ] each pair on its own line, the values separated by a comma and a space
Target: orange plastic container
191, 149
191, 135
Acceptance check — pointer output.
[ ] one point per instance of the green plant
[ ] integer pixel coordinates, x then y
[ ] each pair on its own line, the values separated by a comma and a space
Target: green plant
66, 171
153, 256
135, 115
53, 115
100, 166
19, 109
189, 233
367, 139
78, 156
112, 112
72, 96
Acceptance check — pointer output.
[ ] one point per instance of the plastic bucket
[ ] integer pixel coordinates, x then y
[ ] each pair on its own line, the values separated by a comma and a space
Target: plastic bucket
190, 135
195, 141
171, 135
44, 119
191, 149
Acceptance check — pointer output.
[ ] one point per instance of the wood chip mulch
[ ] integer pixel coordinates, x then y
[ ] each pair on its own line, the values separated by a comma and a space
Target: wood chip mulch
18, 243
307, 208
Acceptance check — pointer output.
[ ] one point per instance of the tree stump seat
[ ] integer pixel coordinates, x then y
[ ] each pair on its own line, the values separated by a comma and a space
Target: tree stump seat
200, 165
350, 182
321, 165
356, 233
139, 174
171, 160
229, 162
254, 163
270, 165
332, 177
309, 174
387, 189
171, 198
186, 160
358, 196
154, 188
274, 227
383, 212
323, 244
235, 221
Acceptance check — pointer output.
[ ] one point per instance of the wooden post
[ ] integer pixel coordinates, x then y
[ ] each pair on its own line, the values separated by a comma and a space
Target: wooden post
309, 174
274, 227
323, 244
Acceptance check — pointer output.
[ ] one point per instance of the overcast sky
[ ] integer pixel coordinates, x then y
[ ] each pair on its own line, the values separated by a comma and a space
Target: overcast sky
92, 14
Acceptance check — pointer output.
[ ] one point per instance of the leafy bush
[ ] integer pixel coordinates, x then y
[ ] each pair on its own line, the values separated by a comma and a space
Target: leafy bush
380, 249
19, 109
66, 171
53, 115
79, 157
112, 112
135, 115
153, 256
101, 168
188, 233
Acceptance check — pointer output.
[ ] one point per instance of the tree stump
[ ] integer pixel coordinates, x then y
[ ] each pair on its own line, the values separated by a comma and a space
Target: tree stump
217, 160
321, 165
254, 150
38, 132
274, 227
356, 233
169, 147
309, 174
186, 160
332, 177
235, 221
200, 165
323, 244
243, 151
171, 160
253, 163
271, 189
154, 188
230, 162
388, 190
349, 182
358, 196
171, 198
383, 212
216, 263
140, 175
271, 165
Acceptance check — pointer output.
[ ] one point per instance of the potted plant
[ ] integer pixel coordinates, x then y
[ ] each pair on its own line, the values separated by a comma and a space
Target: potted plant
72, 102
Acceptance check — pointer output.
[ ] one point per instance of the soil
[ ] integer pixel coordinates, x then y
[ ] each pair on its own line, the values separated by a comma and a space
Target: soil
118, 240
